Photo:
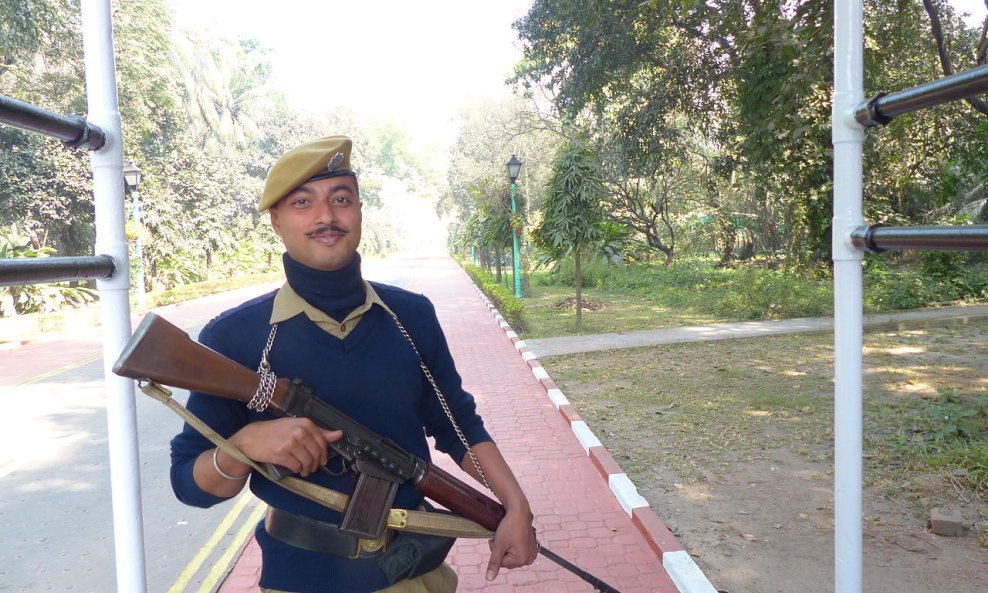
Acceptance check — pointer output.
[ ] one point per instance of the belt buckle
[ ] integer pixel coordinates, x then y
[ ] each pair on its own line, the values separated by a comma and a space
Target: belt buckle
372, 546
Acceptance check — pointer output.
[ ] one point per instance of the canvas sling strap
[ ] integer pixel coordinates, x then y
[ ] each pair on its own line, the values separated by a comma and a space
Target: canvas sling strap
401, 519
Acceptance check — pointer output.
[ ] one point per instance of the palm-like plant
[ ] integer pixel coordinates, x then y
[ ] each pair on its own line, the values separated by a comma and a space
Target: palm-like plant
225, 87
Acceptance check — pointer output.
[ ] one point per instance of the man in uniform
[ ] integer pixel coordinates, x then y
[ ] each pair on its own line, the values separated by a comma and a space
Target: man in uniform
340, 334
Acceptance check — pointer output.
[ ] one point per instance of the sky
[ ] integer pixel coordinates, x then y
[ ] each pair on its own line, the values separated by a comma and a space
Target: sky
416, 63
975, 8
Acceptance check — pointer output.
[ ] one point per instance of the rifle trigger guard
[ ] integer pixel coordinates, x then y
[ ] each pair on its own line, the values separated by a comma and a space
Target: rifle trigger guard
397, 518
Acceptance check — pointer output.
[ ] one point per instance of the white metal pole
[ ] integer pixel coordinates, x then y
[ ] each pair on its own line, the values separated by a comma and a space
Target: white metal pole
111, 239
848, 138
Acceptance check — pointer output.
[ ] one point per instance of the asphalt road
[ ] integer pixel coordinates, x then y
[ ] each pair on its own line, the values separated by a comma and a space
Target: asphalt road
56, 530
56, 518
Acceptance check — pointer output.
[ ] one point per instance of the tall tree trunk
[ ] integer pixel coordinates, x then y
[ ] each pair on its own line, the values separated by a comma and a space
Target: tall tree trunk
497, 263
579, 289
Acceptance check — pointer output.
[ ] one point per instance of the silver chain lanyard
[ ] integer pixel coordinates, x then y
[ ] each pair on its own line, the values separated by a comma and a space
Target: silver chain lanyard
443, 403
265, 389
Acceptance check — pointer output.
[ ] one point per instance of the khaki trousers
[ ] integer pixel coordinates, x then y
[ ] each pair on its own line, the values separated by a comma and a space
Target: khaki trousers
441, 580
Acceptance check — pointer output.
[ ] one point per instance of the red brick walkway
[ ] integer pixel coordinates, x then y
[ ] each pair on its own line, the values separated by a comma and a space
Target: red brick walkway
576, 513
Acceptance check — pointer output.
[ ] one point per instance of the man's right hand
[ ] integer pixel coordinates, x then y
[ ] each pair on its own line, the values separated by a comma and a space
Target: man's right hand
295, 443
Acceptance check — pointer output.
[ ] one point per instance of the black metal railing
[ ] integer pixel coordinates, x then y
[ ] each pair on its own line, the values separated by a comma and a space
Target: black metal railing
877, 238
881, 109
75, 132
35, 270
72, 130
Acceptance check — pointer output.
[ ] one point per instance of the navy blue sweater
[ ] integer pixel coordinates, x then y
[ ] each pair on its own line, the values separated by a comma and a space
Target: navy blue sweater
373, 376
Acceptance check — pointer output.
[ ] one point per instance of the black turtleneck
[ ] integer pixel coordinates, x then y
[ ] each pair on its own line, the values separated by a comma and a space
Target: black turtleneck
335, 293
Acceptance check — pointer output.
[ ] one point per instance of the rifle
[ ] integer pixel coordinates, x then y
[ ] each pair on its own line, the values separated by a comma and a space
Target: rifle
163, 353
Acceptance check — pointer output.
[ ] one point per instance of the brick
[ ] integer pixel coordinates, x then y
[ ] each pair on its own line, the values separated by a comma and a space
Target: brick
947, 522
569, 413
604, 463
656, 534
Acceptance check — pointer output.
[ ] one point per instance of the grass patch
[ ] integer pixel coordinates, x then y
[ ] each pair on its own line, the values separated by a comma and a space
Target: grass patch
187, 292
700, 408
620, 312
696, 291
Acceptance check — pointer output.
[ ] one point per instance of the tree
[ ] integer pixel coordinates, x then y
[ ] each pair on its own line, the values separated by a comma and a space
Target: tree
645, 192
572, 213
754, 78
489, 224
225, 87
476, 191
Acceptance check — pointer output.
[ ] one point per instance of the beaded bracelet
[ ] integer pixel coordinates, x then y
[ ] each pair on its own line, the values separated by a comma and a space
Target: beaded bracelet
223, 473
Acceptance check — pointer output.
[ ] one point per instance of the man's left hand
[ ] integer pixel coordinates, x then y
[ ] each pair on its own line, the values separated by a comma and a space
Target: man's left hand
514, 544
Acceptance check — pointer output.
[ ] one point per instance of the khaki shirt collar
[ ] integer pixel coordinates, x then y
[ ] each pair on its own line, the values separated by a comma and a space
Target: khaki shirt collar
288, 304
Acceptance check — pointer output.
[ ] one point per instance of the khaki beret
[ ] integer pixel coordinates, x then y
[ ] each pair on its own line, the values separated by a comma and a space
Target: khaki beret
318, 159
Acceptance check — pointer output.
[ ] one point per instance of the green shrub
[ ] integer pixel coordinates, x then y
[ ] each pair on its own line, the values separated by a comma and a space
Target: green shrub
507, 303
185, 292
937, 278
593, 272
953, 417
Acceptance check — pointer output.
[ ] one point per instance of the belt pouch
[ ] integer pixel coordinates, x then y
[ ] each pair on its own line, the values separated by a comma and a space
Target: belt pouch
411, 555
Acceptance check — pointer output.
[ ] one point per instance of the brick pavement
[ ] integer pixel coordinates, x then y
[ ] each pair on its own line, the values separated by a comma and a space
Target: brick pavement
586, 510
566, 478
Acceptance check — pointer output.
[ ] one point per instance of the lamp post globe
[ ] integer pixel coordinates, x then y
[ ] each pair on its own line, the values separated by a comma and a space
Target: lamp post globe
132, 175
132, 179
514, 170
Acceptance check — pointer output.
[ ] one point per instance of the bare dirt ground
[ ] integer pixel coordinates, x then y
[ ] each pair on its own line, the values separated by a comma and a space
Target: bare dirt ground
732, 445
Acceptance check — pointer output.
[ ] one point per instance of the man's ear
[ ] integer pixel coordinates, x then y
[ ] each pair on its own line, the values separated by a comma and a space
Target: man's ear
273, 211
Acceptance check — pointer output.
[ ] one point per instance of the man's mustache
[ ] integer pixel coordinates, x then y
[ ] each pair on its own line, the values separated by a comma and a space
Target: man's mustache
326, 229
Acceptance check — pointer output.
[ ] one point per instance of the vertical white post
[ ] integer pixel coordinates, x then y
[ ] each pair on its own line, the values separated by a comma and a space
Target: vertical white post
111, 239
848, 138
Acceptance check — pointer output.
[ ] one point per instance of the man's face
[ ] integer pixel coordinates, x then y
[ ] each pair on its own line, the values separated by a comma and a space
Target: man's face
319, 222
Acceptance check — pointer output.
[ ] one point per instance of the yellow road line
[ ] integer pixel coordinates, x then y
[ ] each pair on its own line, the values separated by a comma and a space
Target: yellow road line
186, 575
61, 370
222, 566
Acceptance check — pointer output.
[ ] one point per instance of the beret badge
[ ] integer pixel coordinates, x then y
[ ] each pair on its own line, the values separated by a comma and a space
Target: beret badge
334, 162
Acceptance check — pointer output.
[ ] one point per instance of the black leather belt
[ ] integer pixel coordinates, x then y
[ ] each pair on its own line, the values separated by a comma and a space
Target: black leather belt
319, 536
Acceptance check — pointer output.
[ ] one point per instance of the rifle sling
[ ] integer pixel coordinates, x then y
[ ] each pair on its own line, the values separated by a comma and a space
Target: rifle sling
401, 519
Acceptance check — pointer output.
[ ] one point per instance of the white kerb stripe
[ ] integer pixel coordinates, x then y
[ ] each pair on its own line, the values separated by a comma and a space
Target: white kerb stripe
540, 373
527, 355
511, 334
586, 437
686, 575
519, 344
557, 397
626, 492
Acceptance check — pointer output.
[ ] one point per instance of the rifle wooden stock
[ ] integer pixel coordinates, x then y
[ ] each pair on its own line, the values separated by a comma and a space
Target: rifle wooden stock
164, 353
161, 352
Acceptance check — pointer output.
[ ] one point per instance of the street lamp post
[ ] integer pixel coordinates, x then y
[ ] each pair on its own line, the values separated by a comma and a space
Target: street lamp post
132, 178
514, 169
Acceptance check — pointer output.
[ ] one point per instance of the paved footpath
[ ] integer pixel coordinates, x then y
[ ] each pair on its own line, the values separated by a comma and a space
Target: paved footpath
586, 509
578, 516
